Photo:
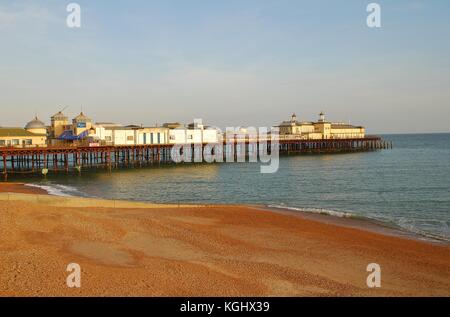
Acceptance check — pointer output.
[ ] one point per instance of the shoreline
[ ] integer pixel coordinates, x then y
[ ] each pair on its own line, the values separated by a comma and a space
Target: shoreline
140, 249
361, 223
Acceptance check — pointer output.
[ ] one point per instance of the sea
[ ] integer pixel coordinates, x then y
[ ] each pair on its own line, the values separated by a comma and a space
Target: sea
407, 187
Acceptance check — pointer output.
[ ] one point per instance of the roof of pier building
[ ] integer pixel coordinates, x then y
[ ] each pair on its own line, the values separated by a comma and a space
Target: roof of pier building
133, 126
70, 136
59, 116
35, 124
172, 125
108, 125
344, 126
17, 132
82, 118
294, 123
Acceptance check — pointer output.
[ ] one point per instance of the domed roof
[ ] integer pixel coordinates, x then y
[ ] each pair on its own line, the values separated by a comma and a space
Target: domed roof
81, 117
59, 116
35, 124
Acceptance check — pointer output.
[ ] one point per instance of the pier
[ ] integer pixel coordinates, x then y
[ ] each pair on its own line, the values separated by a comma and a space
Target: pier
65, 159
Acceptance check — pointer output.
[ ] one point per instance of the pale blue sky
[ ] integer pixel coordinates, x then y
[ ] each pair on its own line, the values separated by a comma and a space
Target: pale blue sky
243, 62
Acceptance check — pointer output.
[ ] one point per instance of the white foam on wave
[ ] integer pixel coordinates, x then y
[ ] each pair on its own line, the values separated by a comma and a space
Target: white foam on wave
57, 190
335, 213
399, 224
443, 236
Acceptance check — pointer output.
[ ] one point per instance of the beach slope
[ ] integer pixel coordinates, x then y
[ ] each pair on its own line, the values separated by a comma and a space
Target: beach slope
170, 250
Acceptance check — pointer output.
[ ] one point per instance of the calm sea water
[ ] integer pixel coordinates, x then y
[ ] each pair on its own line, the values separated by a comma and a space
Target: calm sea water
408, 186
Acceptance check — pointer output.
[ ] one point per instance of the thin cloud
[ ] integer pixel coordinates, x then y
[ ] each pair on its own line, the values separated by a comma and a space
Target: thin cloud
25, 15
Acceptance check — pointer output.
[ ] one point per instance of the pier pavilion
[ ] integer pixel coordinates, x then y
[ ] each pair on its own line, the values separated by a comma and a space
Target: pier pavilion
321, 129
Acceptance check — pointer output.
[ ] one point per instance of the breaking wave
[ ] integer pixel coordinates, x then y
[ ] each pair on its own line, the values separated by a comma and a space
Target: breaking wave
335, 213
58, 190
399, 224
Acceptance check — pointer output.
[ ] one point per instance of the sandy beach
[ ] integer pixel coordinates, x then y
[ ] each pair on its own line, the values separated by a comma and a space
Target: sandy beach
20, 188
169, 250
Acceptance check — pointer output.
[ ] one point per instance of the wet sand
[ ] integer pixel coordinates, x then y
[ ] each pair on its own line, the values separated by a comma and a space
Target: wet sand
204, 251
20, 188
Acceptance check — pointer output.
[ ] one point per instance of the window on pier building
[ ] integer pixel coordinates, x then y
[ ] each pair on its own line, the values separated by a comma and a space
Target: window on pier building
130, 138
2, 142
28, 142
15, 142
159, 137
151, 138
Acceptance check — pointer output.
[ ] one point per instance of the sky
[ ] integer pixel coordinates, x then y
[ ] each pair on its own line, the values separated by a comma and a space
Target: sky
229, 62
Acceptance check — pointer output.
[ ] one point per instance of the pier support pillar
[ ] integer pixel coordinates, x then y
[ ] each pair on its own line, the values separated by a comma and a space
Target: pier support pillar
5, 170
